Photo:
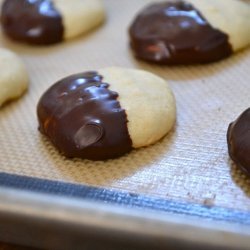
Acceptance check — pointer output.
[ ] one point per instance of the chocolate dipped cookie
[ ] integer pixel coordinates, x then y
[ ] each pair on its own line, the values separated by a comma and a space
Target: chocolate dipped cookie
104, 114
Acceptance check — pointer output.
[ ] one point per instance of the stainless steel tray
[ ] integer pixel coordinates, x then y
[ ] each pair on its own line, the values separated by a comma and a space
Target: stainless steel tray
56, 215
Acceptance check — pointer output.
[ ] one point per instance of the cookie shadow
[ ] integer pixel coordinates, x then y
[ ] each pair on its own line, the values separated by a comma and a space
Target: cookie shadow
190, 72
240, 178
105, 173
37, 50
14, 103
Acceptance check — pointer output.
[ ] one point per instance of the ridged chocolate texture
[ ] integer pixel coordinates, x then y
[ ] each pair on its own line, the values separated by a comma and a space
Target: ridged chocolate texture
238, 139
32, 21
83, 118
175, 32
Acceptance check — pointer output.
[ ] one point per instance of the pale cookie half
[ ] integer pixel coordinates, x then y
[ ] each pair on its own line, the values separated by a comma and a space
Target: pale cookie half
13, 76
148, 101
80, 16
104, 114
46, 22
230, 16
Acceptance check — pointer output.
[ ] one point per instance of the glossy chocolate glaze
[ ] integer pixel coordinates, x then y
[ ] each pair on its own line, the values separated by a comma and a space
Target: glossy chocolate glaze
83, 118
175, 32
32, 21
238, 139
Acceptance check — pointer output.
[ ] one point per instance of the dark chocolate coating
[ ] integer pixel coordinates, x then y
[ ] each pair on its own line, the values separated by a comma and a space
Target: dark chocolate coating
34, 22
238, 139
83, 118
175, 32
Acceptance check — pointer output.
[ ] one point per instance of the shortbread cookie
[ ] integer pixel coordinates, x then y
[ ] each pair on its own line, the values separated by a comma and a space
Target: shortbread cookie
238, 139
104, 114
13, 76
192, 31
50, 21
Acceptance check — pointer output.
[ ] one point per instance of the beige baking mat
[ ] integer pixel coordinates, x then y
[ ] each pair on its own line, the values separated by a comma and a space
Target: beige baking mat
191, 164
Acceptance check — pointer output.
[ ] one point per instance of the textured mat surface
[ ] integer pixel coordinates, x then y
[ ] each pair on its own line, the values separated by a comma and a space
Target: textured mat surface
191, 164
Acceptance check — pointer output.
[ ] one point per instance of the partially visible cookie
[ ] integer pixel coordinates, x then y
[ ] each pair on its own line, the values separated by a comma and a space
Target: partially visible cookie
13, 76
104, 114
192, 31
44, 22
238, 139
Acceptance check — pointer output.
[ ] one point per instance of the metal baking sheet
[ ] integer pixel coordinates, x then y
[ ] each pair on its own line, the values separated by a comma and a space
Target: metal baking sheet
186, 175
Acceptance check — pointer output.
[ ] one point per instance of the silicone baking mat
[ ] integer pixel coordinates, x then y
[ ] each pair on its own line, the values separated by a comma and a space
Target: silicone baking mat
189, 166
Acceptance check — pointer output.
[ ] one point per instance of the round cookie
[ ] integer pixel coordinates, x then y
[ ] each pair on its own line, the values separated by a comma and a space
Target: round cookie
13, 76
238, 139
44, 22
105, 114
189, 32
